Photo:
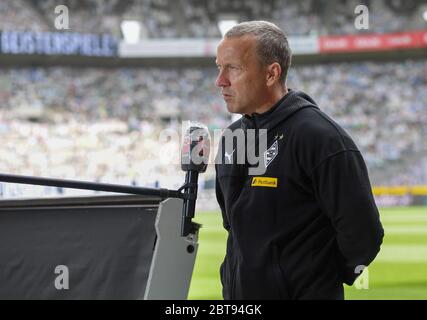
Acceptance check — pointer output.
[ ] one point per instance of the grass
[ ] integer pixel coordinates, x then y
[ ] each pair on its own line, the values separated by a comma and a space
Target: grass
398, 272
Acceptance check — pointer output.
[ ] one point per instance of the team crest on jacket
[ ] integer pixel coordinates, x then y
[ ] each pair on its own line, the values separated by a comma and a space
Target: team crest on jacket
271, 153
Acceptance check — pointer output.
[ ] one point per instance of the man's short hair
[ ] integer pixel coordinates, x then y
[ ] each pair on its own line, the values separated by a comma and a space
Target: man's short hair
272, 43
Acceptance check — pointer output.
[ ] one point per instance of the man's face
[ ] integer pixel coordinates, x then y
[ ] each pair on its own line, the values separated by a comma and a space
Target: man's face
241, 77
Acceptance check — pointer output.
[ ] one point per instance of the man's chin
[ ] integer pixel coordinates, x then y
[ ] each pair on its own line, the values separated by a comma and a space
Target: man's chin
232, 109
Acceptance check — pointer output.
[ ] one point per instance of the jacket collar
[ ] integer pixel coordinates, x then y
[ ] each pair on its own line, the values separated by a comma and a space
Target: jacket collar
289, 104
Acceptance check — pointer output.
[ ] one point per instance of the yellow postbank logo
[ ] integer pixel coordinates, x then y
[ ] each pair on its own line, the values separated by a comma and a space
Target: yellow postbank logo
264, 182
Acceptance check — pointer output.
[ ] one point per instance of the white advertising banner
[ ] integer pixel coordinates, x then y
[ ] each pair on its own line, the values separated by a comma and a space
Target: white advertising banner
191, 48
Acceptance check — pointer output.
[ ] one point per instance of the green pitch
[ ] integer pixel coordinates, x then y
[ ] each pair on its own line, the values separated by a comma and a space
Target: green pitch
399, 271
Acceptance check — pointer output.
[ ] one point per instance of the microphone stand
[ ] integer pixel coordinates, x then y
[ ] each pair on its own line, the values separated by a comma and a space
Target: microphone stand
189, 206
85, 185
194, 158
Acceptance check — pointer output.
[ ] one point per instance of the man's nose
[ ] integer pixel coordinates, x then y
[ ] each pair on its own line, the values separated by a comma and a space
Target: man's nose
222, 80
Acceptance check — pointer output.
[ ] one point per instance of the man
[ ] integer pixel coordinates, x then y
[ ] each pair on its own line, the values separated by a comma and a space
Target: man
309, 223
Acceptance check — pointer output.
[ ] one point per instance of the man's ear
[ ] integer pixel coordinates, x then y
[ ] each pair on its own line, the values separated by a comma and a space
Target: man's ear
274, 71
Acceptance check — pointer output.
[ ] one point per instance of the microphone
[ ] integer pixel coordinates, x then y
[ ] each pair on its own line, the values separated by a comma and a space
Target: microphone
194, 160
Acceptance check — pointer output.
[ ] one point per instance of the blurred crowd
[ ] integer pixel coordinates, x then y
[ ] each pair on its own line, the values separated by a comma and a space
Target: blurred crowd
122, 93
106, 151
382, 105
104, 124
199, 18
18, 15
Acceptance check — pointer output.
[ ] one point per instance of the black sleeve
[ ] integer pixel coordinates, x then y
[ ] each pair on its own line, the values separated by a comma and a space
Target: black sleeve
342, 188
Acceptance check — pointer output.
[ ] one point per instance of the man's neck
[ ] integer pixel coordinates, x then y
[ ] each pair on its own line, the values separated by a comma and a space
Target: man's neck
267, 105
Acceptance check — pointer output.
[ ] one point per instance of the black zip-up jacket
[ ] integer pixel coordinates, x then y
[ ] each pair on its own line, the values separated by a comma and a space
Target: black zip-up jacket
301, 229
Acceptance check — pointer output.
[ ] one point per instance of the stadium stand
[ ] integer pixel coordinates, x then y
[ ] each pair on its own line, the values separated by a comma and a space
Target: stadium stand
387, 119
381, 104
198, 19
